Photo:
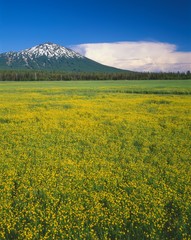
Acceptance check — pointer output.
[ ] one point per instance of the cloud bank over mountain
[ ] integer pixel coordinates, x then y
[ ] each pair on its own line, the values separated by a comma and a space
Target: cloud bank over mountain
138, 56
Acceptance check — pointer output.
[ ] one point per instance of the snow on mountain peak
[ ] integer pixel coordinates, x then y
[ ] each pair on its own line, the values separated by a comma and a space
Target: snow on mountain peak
49, 50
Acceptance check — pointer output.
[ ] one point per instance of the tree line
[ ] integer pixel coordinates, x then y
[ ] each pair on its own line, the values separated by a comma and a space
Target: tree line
7, 75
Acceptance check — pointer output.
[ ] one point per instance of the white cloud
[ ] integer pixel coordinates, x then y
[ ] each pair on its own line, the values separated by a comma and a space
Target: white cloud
137, 56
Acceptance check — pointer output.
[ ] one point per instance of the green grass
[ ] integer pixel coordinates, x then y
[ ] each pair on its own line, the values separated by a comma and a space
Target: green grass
128, 86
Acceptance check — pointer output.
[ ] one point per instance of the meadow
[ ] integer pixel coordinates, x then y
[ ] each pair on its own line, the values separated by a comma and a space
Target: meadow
95, 160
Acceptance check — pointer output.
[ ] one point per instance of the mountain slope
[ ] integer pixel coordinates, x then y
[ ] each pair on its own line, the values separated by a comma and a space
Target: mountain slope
50, 56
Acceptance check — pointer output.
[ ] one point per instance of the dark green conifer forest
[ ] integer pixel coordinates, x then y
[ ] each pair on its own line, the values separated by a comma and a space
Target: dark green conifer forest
23, 75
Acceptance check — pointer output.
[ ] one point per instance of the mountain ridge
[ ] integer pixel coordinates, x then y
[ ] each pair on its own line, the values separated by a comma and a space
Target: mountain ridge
51, 56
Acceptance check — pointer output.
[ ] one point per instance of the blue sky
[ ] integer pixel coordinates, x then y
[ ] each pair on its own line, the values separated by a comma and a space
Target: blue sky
24, 24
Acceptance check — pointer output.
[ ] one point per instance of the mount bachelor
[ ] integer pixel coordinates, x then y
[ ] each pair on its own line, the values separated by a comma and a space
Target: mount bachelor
50, 56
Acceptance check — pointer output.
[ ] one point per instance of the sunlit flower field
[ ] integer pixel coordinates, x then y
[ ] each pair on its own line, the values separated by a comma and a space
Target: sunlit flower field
94, 164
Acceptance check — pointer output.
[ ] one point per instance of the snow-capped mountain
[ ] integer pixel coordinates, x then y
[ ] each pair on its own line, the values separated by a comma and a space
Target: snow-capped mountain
49, 50
50, 56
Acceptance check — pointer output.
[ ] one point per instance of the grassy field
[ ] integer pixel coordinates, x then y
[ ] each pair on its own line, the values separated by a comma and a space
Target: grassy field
95, 160
143, 86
